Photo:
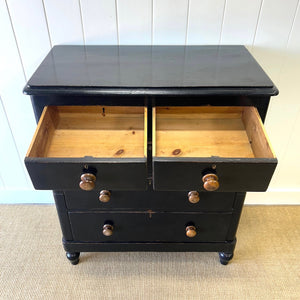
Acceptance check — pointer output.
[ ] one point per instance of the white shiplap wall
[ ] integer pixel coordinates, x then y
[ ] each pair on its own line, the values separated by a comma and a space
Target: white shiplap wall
28, 30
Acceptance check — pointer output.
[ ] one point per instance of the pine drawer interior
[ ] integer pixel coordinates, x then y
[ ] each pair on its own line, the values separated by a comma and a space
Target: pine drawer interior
234, 132
96, 131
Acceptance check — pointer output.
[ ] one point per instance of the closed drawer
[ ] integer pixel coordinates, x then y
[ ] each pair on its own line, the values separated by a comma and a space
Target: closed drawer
149, 226
105, 145
211, 148
162, 201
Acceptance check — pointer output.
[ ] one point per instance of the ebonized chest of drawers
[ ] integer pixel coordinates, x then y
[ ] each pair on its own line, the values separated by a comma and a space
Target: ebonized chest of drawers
150, 148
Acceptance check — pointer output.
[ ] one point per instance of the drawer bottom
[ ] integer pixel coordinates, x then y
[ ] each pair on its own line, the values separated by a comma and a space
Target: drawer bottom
226, 246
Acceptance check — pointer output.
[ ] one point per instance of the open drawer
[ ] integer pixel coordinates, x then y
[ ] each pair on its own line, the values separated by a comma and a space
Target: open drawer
89, 147
211, 149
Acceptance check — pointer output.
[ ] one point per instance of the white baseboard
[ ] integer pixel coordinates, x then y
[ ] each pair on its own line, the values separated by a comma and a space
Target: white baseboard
274, 197
26, 197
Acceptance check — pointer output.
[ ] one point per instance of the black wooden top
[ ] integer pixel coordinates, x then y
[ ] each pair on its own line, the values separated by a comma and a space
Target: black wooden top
150, 70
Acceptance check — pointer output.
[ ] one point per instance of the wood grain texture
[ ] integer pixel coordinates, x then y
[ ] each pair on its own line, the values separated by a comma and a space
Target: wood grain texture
203, 143
210, 131
276, 36
90, 131
43, 134
146, 130
257, 135
154, 119
96, 143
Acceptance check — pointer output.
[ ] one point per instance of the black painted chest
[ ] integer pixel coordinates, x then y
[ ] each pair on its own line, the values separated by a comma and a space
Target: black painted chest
150, 148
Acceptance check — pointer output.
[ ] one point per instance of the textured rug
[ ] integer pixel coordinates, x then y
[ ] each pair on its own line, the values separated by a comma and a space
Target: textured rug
33, 264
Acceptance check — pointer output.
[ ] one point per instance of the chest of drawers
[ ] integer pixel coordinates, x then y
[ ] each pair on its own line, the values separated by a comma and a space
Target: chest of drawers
150, 148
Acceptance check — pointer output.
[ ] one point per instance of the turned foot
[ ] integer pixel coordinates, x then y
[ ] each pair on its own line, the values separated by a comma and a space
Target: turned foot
225, 257
73, 257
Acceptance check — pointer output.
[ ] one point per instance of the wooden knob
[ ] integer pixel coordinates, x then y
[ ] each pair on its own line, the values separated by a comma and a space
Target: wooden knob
104, 196
107, 229
190, 231
87, 182
211, 182
193, 196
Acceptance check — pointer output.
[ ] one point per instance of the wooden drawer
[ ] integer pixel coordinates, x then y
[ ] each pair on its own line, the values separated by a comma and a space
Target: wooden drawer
162, 201
108, 142
149, 226
230, 142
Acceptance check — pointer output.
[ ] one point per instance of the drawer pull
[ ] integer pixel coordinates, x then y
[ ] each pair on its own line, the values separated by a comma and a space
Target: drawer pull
193, 197
107, 229
104, 196
190, 231
211, 182
87, 182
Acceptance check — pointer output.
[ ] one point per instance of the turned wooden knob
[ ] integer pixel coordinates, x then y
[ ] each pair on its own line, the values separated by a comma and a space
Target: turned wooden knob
211, 182
104, 196
87, 182
190, 231
193, 196
107, 229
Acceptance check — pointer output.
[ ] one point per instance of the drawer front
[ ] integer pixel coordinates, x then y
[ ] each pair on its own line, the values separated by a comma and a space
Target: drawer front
233, 175
57, 174
149, 226
105, 145
222, 149
166, 201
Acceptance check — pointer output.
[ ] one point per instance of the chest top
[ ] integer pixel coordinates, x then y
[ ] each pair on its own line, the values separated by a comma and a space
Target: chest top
150, 70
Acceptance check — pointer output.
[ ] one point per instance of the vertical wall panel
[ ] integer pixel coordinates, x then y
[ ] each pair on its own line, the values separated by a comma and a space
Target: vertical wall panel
205, 22
272, 34
99, 22
11, 171
287, 114
240, 20
64, 21
269, 48
275, 23
293, 46
25, 40
169, 22
135, 22
17, 107
30, 27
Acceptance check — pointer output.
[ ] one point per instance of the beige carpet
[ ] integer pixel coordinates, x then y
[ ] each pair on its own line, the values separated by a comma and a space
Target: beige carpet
33, 264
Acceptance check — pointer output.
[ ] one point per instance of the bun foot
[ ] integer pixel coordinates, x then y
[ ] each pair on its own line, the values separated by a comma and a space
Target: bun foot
225, 257
73, 257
